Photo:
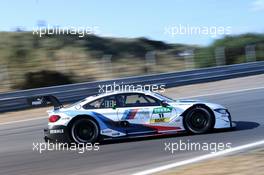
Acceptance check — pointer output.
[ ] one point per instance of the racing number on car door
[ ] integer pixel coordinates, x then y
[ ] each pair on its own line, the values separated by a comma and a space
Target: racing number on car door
162, 114
104, 106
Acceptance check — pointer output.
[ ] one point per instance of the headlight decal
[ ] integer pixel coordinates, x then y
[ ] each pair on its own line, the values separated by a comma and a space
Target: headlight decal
222, 111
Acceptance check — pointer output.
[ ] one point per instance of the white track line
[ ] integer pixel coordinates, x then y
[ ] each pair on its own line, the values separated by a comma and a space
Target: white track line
200, 158
227, 92
25, 120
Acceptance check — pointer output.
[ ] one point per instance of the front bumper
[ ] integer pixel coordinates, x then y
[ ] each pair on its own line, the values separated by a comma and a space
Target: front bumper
57, 134
223, 120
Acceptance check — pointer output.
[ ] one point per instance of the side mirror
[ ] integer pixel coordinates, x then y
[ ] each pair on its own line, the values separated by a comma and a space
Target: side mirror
164, 103
114, 106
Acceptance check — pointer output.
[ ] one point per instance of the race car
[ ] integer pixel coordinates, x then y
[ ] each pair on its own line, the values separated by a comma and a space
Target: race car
129, 114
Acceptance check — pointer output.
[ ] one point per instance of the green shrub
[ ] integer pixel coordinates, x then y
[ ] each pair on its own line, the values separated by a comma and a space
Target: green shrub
44, 79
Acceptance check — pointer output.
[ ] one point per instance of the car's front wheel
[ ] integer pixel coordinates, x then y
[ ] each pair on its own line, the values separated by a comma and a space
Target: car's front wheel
85, 131
198, 120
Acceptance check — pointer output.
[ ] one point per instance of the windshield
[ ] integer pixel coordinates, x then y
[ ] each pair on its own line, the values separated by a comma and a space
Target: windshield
163, 97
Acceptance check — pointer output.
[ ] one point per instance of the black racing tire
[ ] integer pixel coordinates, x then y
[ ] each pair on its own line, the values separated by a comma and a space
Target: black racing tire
198, 120
85, 130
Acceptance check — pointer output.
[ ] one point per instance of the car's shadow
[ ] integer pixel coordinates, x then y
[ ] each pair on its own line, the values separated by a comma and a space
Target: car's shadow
245, 125
240, 125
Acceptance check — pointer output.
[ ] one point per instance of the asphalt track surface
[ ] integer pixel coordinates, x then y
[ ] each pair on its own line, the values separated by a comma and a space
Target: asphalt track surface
125, 157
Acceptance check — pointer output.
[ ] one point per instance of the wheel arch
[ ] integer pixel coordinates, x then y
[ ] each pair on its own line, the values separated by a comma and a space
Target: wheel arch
199, 105
80, 116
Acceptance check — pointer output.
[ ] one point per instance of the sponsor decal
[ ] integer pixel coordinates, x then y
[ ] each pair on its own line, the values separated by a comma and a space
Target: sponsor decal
115, 134
129, 114
56, 131
105, 131
162, 110
157, 120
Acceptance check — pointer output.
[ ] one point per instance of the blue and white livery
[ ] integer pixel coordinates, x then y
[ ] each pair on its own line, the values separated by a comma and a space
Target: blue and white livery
130, 114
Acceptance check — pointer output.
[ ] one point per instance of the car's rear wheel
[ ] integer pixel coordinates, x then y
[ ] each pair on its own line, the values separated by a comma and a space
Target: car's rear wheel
198, 120
85, 131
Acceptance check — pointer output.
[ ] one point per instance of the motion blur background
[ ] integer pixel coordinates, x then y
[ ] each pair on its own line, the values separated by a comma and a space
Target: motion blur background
131, 39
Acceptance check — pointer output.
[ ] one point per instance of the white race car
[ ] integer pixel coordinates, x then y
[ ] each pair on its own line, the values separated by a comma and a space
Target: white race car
129, 114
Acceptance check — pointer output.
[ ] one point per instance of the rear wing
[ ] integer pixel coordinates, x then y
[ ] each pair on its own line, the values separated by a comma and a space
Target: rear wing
45, 101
